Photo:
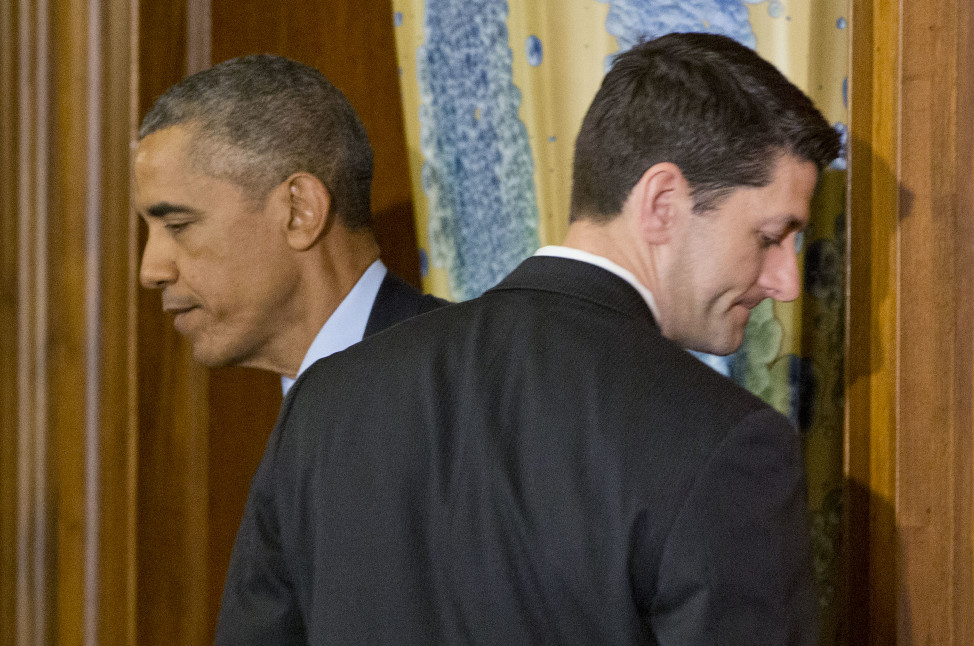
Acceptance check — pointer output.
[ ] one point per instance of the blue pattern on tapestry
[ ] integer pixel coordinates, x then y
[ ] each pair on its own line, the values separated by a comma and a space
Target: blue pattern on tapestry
478, 172
632, 21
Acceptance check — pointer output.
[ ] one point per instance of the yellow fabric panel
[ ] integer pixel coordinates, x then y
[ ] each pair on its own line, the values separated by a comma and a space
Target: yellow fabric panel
408, 16
557, 92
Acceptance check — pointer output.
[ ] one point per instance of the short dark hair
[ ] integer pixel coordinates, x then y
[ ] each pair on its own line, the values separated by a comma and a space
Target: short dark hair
261, 118
704, 102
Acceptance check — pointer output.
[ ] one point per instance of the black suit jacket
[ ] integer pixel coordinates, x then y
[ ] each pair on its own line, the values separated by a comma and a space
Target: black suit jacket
536, 466
397, 301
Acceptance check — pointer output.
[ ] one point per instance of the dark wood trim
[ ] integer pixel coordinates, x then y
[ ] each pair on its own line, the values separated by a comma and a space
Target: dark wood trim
9, 341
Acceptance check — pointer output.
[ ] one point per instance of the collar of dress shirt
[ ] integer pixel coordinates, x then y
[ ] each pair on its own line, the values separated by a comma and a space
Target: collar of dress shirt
346, 325
571, 253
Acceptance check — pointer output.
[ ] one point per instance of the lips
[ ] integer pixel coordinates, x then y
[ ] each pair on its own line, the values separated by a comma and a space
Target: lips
177, 309
174, 304
180, 309
181, 319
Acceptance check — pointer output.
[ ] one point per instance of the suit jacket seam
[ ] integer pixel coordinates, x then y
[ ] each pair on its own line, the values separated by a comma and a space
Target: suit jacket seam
624, 311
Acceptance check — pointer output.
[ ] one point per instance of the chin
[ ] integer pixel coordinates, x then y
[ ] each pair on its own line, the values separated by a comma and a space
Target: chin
732, 345
723, 344
210, 357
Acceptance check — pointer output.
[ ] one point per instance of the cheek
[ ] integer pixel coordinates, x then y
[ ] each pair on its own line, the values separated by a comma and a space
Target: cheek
262, 293
725, 282
744, 269
215, 285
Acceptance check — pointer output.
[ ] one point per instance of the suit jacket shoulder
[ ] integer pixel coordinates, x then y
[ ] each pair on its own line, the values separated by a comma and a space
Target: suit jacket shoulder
397, 301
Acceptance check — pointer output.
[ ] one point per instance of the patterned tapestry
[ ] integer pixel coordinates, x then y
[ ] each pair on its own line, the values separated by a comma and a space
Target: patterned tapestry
494, 92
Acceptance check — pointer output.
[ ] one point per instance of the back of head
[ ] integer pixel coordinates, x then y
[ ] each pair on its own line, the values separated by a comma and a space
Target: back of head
702, 101
258, 119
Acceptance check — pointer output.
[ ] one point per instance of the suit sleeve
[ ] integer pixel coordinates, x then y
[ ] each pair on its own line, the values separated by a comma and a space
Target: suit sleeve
259, 603
736, 566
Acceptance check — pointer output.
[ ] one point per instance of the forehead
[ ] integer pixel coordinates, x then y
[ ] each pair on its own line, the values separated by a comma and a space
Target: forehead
162, 159
165, 169
165, 146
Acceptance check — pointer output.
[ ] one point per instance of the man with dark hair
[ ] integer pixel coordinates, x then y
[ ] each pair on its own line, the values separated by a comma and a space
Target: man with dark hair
546, 463
254, 178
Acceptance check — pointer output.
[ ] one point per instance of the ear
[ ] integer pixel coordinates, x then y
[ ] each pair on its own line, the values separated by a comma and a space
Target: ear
310, 210
662, 197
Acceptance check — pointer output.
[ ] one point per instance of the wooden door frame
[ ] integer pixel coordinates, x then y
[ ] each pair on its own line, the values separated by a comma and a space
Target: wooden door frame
910, 325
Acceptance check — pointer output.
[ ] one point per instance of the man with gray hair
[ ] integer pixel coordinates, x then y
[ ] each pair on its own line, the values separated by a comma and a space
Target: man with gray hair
254, 180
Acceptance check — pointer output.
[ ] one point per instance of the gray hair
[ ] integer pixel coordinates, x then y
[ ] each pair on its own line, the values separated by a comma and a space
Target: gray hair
261, 118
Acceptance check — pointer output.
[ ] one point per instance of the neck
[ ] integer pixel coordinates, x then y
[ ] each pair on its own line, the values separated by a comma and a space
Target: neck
616, 241
333, 270
327, 272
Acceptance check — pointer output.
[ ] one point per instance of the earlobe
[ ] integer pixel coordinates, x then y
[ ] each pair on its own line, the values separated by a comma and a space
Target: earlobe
309, 212
662, 196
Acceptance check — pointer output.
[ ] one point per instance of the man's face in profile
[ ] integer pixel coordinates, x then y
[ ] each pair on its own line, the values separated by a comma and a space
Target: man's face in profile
219, 258
727, 260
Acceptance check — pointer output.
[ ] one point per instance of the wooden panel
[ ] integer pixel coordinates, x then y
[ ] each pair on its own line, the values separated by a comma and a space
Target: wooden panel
91, 353
909, 415
173, 527
870, 595
172, 524
963, 535
68, 329
68, 403
10, 336
244, 405
926, 431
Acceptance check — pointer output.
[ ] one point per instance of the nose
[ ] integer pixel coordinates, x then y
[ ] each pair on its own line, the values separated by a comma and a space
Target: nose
779, 275
158, 267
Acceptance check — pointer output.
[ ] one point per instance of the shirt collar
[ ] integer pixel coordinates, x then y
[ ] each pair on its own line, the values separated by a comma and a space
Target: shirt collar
346, 325
572, 253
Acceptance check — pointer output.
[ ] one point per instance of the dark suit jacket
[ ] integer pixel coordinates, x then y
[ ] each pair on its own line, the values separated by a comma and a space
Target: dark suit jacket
397, 301
536, 466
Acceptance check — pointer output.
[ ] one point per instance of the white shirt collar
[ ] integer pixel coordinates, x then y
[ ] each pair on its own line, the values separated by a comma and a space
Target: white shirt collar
346, 325
571, 253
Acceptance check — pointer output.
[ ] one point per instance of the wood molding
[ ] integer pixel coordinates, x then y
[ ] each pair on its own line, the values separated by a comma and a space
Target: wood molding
871, 338
69, 414
909, 328
26, 431
963, 610
9, 342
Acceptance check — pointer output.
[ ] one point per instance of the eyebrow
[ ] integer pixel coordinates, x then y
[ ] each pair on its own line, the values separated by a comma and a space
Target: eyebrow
797, 225
162, 209
791, 223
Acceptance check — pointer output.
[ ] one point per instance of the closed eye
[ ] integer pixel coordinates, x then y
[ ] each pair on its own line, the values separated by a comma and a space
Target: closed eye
176, 227
176, 217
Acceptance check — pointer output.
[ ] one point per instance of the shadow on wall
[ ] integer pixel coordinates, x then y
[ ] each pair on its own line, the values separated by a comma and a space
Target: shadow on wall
876, 611
873, 608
